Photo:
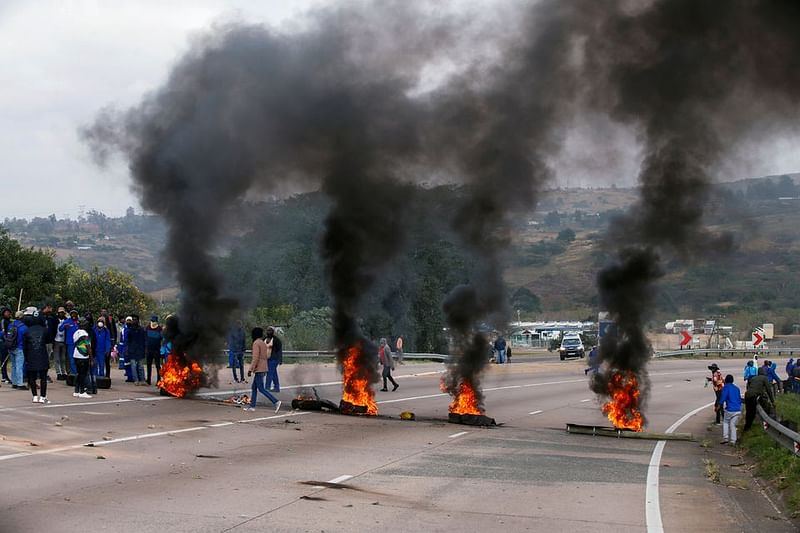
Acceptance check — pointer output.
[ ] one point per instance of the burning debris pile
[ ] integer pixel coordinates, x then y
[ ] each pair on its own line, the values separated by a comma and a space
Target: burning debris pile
358, 398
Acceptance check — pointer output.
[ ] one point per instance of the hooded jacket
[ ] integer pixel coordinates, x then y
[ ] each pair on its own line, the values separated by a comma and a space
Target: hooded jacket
34, 344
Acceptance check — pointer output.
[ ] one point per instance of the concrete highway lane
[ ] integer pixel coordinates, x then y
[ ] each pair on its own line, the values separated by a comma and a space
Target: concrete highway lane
202, 465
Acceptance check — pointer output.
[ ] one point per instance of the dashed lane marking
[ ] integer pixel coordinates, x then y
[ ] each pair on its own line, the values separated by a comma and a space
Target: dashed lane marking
454, 435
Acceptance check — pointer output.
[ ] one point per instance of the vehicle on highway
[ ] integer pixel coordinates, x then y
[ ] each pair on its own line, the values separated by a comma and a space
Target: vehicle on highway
571, 346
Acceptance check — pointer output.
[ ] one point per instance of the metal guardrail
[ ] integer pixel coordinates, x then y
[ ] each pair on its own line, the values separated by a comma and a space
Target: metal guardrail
708, 351
781, 434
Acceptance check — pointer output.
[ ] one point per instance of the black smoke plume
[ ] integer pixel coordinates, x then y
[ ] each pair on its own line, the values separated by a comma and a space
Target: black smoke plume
688, 76
251, 111
501, 135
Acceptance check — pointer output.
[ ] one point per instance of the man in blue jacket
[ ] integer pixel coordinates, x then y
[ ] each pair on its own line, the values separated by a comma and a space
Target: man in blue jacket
135, 344
730, 400
69, 327
16, 353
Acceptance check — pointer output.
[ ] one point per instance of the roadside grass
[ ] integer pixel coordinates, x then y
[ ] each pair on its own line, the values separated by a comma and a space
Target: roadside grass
788, 406
773, 462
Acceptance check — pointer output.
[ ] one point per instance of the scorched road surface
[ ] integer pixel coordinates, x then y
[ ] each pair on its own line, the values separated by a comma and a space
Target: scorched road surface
200, 465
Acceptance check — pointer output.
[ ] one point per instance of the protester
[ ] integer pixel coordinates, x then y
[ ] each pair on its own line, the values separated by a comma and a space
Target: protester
399, 349
37, 360
5, 353
258, 366
111, 325
717, 383
236, 351
13, 339
153, 349
69, 327
274, 361
385, 358
594, 361
50, 322
750, 370
758, 391
60, 359
774, 379
790, 382
500, 350
135, 344
103, 354
730, 401
124, 362
82, 352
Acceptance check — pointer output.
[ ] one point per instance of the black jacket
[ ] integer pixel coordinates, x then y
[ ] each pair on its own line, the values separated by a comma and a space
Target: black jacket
51, 323
34, 345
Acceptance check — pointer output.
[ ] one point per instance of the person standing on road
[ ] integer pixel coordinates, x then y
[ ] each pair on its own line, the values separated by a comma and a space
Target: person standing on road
37, 359
153, 349
50, 322
69, 326
135, 344
717, 383
14, 342
5, 353
730, 401
385, 358
500, 349
594, 361
750, 371
258, 366
236, 351
774, 379
399, 349
60, 359
758, 391
274, 361
103, 340
82, 353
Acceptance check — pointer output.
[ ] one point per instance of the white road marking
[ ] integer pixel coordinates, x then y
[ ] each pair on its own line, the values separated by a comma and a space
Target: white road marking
454, 435
413, 398
586, 400
667, 386
339, 479
97, 444
652, 503
535, 412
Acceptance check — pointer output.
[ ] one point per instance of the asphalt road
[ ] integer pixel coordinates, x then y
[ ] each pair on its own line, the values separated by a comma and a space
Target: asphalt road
201, 465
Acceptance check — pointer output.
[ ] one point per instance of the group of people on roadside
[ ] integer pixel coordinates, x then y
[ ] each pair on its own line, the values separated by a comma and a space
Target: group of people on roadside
79, 347
34, 339
762, 383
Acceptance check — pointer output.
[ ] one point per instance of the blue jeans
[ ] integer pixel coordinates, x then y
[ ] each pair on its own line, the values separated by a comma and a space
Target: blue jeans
501, 357
272, 375
70, 349
18, 360
236, 360
258, 386
137, 369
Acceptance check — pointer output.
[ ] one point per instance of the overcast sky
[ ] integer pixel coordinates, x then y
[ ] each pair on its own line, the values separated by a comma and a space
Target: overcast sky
65, 59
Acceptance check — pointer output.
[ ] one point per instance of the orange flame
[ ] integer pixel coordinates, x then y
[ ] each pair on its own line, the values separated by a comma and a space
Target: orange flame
623, 409
356, 389
180, 376
466, 401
